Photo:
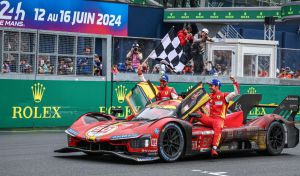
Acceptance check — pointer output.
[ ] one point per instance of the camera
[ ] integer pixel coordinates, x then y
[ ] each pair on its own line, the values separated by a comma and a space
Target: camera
135, 49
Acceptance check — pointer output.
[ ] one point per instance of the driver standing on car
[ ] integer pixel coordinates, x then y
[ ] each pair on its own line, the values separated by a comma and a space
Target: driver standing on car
216, 114
164, 91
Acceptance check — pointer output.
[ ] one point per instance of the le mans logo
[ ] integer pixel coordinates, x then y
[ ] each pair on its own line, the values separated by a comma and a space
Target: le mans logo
36, 112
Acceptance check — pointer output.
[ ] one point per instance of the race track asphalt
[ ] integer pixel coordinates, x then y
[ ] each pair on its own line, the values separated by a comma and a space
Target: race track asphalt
31, 154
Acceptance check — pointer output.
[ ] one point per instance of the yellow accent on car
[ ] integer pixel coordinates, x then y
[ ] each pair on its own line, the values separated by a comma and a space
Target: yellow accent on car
204, 99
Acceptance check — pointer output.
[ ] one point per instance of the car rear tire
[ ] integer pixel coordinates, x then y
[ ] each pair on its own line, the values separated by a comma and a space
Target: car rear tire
275, 139
171, 143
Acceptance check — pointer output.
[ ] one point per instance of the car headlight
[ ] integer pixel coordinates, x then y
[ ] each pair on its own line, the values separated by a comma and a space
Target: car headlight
141, 142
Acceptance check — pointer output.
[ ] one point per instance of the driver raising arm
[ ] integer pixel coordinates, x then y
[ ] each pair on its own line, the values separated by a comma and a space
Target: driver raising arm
218, 105
164, 92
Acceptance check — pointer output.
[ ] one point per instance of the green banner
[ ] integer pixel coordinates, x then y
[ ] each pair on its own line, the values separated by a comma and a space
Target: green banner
26, 103
235, 14
41, 103
290, 10
250, 15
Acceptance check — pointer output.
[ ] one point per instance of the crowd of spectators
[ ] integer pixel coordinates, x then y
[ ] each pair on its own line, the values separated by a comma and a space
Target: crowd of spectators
194, 46
91, 64
287, 73
88, 63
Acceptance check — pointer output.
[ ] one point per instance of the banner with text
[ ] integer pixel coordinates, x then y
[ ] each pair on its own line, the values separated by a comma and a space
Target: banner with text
68, 15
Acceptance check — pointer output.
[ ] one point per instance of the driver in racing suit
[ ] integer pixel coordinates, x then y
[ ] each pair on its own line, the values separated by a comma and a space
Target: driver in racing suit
164, 91
216, 114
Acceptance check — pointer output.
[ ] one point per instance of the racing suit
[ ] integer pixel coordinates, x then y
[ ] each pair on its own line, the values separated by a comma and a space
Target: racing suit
218, 105
164, 93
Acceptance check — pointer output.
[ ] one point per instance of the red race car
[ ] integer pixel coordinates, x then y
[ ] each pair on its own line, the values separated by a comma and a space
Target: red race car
165, 129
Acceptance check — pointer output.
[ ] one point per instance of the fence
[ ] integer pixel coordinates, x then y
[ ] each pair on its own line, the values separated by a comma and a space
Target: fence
32, 52
288, 62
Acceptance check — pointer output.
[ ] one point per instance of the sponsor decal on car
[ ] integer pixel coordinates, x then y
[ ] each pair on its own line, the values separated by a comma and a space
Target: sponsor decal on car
146, 159
218, 103
72, 132
101, 131
149, 151
124, 136
194, 145
154, 142
156, 130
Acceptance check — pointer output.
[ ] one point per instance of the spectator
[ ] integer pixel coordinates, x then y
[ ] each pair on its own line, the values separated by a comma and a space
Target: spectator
84, 66
121, 67
263, 73
145, 68
70, 66
185, 36
285, 73
45, 66
25, 67
62, 67
209, 68
97, 65
156, 68
115, 69
188, 68
134, 56
6, 66
128, 65
297, 74
198, 49
186, 39
218, 70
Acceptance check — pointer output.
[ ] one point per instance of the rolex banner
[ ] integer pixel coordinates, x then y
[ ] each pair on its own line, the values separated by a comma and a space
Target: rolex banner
42, 103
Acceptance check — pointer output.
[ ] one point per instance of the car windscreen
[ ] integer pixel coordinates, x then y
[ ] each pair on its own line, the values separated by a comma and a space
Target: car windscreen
137, 99
151, 113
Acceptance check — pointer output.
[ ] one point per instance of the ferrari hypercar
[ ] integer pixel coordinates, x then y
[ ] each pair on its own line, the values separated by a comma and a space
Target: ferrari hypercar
168, 129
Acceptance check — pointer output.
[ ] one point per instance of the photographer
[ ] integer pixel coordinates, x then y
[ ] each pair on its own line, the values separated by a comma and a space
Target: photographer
198, 49
134, 56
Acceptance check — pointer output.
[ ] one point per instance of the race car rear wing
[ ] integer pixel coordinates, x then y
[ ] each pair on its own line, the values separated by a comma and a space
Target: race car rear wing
245, 103
289, 107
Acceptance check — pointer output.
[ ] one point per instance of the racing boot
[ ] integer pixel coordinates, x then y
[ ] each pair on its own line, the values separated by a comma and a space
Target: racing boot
214, 152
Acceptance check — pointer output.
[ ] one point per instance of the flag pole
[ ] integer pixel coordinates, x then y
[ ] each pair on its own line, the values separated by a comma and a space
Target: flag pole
146, 59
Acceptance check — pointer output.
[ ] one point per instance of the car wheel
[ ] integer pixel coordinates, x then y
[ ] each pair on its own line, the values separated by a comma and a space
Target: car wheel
171, 143
275, 138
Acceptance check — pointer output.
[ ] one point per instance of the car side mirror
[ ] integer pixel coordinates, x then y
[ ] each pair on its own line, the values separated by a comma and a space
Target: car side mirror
194, 115
116, 111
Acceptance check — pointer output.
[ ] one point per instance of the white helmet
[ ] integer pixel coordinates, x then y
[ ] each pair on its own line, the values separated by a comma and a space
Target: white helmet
205, 30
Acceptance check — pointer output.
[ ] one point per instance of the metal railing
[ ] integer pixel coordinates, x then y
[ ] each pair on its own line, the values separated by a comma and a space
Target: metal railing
229, 31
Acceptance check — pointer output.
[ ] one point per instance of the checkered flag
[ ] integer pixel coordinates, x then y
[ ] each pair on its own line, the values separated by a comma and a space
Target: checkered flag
170, 52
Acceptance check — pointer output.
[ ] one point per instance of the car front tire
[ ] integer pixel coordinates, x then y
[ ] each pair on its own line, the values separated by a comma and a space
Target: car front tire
171, 143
